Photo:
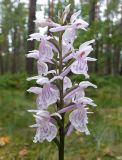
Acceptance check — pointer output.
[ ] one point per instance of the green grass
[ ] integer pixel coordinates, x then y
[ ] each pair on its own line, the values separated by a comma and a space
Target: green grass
105, 125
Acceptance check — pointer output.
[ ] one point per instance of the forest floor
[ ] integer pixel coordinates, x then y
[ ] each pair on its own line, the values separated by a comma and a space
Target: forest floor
105, 125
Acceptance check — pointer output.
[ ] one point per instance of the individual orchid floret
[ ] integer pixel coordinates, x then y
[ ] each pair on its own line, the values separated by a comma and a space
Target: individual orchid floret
80, 66
42, 66
83, 52
46, 48
79, 92
78, 117
82, 102
47, 95
79, 120
45, 22
46, 130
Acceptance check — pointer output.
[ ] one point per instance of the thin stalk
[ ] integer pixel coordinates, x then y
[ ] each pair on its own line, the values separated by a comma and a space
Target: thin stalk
61, 128
62, 138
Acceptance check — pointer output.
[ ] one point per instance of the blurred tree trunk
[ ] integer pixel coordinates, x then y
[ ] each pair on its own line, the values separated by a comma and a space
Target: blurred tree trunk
93, 17
92, 11
118, 45
116, 59
121, 41
15, 52
31, 29
108, 45
1, 61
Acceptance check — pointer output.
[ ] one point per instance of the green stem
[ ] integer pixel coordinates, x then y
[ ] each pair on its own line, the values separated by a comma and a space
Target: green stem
62, 138
61, 128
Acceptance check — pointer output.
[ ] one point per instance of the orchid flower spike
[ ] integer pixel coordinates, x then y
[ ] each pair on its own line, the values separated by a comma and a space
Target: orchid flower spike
56, 92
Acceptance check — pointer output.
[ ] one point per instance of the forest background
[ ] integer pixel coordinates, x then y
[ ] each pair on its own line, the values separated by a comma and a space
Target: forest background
105, 26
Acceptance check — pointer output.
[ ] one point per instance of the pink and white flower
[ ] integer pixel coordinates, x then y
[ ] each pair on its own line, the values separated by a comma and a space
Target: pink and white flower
79, 120
46, 130
78, 117
47, 95
79, 66
78, 92
46, 48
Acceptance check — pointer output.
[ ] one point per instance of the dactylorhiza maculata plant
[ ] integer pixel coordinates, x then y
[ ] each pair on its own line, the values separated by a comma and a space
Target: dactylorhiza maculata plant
56, 92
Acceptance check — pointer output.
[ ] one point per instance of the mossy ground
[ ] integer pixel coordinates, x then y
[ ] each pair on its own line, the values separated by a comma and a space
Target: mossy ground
105, 125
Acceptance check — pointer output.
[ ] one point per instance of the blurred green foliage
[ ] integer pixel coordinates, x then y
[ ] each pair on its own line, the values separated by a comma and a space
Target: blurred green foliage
15, 81
105, 125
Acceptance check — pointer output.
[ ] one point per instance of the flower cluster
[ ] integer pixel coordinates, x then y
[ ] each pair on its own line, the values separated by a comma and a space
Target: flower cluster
56, 58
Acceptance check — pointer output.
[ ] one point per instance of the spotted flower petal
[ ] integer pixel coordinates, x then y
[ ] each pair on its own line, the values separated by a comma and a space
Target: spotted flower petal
79, 92
65, 48
69, 35
80, 24
79, 120
84, 101
50, 95
42, 80
67, 83
42, 67
45, 50
80, 67
33, 54
74, 16
46, 130
86, 44
38, 37
36, 90
85, 84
